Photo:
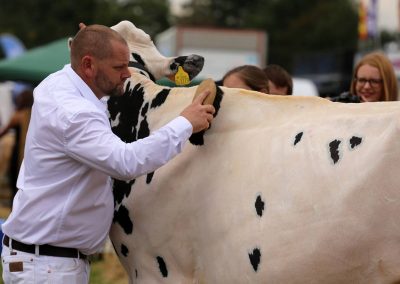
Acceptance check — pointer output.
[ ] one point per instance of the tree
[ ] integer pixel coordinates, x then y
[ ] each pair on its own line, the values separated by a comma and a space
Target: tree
294, 27
37, 22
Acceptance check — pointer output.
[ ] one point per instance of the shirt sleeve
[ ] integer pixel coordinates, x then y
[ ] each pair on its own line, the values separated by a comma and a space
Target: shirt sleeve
89, 139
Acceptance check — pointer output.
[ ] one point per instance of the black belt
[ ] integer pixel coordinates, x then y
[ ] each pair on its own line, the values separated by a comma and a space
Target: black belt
45, 249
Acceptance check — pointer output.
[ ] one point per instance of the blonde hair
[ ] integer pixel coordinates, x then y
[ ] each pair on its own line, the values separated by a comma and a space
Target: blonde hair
382, 63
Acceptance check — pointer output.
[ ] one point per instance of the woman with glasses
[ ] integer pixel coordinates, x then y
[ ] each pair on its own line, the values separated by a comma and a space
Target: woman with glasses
374, 79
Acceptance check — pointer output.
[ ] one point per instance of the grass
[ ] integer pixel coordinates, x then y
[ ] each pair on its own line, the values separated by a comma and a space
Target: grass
108, 271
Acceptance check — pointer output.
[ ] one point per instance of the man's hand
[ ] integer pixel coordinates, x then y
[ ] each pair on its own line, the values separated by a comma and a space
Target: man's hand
199, 115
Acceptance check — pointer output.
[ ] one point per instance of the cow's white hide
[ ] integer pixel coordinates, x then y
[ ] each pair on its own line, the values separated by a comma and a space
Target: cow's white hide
323, 222
153, 62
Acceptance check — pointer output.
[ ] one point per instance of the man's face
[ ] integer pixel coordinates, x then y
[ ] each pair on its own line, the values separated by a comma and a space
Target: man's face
113, 72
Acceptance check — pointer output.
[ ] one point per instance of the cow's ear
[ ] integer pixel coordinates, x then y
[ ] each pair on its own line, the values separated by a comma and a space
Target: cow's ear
82, 26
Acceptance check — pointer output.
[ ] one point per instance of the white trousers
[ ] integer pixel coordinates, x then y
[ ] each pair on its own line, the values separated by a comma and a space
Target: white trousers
43, 269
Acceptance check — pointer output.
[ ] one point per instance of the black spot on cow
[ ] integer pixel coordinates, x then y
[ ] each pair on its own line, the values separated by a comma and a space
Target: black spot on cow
121, 216
297, 138
121, 189
334, 150
149, 177
259, 204
198, 138
144, 130
255, 258
145, 109
138, 58
131, 107
162, 266
355, 141
173, 66
160, 98
128, 107
143, 66
180, 60
124, 250
136, 273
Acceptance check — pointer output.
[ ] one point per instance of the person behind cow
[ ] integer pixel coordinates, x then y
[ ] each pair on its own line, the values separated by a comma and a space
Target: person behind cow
19, 123
279, 80
374, 79
64, 207
247, 77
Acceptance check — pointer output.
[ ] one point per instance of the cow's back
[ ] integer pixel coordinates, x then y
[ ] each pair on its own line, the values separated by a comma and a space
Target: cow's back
284, 190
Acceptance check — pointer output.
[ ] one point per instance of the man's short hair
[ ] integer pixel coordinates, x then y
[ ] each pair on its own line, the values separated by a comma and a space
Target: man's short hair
94, 40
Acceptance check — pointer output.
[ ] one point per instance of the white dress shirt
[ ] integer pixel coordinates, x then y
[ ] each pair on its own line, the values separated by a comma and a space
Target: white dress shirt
65, 196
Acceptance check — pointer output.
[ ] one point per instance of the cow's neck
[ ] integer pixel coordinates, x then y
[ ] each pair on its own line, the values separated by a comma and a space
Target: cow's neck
140, 68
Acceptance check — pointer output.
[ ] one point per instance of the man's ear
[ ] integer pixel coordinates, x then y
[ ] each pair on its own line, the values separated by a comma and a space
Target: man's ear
70, 39
88, 68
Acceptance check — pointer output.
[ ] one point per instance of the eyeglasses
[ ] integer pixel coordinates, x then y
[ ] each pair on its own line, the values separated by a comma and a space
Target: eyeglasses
374, 83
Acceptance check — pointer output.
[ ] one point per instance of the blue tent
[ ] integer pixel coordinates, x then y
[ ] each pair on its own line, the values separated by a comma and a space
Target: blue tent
11, 46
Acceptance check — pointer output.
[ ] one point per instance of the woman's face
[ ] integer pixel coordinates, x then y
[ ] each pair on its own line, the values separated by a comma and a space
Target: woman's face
234, 81
369, 84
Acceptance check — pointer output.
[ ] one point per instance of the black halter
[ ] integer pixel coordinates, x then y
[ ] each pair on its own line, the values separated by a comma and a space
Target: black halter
139, 66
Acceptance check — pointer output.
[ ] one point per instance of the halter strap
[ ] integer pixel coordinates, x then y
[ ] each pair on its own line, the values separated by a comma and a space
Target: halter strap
139, 66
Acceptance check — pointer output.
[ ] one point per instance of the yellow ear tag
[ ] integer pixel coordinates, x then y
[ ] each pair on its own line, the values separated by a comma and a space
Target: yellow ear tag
181, 77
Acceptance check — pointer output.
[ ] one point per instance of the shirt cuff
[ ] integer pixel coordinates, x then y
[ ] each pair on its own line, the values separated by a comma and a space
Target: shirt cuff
183, 126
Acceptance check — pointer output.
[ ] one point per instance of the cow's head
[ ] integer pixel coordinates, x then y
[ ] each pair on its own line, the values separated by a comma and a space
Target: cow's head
146, 57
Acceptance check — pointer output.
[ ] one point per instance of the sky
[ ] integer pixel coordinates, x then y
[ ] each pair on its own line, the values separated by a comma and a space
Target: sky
388, 17
175, 5
387, 13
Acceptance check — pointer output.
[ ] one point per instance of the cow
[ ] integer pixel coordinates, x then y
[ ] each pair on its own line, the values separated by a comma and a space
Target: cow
147, 60
279, 189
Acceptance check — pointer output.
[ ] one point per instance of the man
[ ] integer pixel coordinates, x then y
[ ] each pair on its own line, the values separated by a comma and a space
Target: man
64, 206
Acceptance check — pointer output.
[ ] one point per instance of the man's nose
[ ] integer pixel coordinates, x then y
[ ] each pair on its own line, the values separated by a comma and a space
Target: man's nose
126, 74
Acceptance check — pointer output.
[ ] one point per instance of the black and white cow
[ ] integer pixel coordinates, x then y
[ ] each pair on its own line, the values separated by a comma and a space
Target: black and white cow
278, 190
146, 59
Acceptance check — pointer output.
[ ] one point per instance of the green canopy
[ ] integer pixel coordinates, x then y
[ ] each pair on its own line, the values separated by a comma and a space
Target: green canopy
36, 64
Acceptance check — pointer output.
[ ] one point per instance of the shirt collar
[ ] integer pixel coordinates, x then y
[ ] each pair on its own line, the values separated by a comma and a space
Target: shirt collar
83, 88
